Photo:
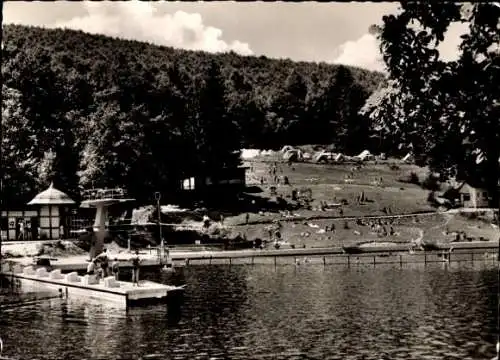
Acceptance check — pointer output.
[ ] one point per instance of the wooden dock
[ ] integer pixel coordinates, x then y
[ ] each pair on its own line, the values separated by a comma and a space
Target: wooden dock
72, 286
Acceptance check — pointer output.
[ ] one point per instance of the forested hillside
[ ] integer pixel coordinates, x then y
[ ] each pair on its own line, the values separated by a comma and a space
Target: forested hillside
83, 110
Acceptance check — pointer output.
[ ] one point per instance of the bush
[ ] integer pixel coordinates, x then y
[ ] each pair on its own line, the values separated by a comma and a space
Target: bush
432, 198
413, 179
431, 183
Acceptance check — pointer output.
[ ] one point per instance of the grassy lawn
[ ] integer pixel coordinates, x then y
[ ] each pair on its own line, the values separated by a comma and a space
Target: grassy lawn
328, 183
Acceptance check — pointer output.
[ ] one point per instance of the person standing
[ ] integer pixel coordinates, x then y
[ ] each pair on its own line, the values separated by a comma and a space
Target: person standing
21, 231
115, 268
27, 230
61, 232
136, 261
104, 261
91, 267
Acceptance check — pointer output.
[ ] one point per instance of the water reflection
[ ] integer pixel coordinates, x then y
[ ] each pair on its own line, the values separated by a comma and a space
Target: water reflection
287, 312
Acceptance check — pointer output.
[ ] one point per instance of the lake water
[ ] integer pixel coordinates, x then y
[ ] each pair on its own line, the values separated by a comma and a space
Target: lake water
284, 312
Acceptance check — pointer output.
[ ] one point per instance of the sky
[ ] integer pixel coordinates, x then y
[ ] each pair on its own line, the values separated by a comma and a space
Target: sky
306, 31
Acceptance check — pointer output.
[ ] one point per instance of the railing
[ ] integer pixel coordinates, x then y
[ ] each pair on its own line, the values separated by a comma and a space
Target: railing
99, 194
265, 257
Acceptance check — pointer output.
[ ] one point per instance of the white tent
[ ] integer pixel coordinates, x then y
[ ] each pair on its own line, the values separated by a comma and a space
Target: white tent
292, 155
323, 156
365, 155
286, 148
338, 158
249, 153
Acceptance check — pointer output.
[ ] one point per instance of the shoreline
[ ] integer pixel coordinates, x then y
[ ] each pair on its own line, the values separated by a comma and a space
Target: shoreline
185, 258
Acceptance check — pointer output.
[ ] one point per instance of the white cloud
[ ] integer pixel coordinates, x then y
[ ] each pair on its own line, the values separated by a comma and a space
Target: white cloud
363, 52
140, 20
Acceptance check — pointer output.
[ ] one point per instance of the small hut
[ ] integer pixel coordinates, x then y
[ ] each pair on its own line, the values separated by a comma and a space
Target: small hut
51, 215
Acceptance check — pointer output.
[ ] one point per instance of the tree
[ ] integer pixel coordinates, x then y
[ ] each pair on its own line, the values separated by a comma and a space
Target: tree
290, 106
144, 116
453, 105
48, 134
18, 163
244, 110
217, 139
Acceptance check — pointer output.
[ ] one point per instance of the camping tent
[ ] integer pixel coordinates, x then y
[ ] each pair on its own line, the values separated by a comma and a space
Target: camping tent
338, 158
286, 148
323, 156
249, 153
365, 155
292, 155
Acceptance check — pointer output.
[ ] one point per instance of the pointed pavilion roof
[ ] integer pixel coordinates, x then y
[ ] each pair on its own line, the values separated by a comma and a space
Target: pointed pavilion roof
51, 196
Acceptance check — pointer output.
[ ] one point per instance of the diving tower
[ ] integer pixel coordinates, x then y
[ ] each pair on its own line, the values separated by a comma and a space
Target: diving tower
101, 200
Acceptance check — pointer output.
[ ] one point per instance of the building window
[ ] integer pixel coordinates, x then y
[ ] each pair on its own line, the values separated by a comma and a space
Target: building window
466, 197
188, 184
4, 223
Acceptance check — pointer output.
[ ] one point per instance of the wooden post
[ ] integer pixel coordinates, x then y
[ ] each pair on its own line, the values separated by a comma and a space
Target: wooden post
50, 223
230, 260
348, 261
472, 256
324, 261
425, 258
210, 261
253, 258
274, 260
374, 257
400, 260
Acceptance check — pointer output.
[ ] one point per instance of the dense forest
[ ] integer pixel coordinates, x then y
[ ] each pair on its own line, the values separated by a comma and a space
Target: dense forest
87, 110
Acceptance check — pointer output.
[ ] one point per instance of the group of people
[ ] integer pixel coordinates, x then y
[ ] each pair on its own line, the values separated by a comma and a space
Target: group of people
101, 267
25, 232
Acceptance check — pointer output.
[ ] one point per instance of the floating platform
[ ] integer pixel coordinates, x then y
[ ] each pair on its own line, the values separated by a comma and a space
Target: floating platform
120, 293
377, 247
465, 245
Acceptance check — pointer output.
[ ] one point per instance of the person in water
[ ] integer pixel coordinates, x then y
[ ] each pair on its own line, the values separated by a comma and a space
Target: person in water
136, 261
